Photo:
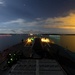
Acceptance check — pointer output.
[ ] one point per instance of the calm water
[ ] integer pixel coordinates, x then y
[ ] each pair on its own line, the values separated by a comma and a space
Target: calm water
55, 38
10, 40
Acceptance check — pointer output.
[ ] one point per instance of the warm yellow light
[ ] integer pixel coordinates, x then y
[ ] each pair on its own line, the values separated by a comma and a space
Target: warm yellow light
45, 40
28, 40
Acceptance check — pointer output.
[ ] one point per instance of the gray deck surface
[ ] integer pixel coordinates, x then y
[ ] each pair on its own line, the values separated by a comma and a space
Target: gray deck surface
37, 67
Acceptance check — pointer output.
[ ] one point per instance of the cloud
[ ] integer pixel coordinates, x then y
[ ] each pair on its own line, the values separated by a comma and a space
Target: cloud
5, 31
2, 3
19, 21
50, 25
22, 22
19, 31
67, 22
21, 26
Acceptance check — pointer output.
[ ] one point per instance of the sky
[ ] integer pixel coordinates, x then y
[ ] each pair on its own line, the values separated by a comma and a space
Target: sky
37, 16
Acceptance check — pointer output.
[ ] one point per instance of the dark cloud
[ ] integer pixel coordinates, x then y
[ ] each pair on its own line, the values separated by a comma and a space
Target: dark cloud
36, 14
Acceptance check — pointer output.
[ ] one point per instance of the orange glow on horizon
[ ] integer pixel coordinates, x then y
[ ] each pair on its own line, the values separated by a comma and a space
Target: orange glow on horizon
67, 22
